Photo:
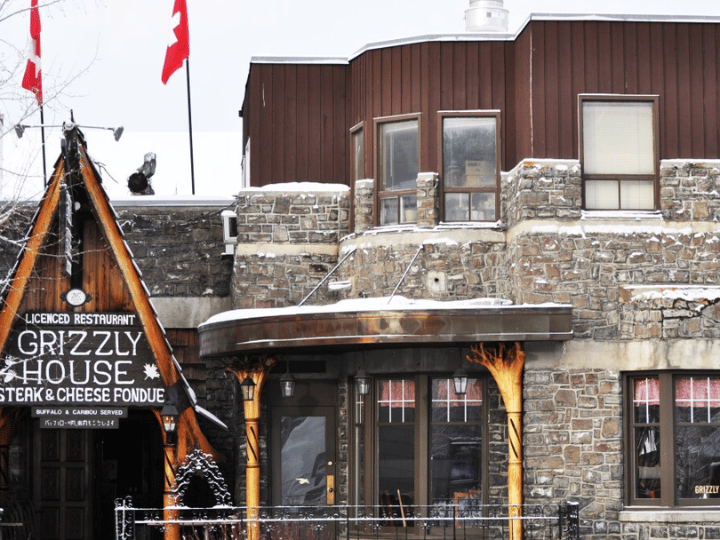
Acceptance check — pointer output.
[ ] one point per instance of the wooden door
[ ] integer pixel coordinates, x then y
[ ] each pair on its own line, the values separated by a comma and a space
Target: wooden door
62, 490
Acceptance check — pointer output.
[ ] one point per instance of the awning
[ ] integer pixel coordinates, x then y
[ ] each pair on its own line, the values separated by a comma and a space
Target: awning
383, 321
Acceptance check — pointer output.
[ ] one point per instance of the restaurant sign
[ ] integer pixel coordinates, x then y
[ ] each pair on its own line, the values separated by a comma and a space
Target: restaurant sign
88, 359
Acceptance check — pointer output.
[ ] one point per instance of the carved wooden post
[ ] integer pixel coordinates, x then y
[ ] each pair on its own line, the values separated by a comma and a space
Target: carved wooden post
170, 512
257, 371
506, 367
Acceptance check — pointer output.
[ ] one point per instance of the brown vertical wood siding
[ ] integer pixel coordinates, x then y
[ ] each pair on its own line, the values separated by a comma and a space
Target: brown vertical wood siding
295, 116
677, 61
426, 78
299, 116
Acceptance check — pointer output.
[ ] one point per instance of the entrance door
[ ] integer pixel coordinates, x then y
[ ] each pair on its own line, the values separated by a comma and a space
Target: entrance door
78, 474
303, 456
63, 485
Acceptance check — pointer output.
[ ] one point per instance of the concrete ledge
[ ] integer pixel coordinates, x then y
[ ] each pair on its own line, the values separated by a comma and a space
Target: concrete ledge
654, 515
270, 249
188, 312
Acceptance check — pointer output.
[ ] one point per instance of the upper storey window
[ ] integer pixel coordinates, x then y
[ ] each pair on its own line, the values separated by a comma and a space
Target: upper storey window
357, 138
397, 162
470, 157
619, 151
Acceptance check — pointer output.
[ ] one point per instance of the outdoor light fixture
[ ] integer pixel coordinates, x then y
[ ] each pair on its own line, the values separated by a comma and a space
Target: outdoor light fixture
139, 181
460, 380
117, 132
169, 416
362, 383
248, 389
287, 384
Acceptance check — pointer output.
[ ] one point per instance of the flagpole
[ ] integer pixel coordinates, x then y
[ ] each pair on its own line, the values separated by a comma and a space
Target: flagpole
42, 138
192, 165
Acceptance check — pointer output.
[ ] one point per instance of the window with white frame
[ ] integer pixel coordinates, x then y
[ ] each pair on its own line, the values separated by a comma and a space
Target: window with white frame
674, 433
619, 151
397, 166
470, 170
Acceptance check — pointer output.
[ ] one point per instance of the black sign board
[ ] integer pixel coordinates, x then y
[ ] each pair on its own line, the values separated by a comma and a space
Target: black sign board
80, 417
79, 359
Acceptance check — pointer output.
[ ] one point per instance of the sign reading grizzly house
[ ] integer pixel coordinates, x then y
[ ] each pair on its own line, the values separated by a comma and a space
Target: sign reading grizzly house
79, 359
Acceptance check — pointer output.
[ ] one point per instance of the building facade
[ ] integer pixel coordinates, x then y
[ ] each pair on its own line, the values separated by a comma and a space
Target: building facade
570, 166
537, 210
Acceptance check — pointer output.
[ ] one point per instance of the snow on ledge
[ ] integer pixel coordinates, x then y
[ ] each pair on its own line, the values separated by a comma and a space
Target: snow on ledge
297, 187
690, 293
384, 303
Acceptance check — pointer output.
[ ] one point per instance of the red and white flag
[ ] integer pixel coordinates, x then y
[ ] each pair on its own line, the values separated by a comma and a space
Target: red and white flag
32, 80
180, 50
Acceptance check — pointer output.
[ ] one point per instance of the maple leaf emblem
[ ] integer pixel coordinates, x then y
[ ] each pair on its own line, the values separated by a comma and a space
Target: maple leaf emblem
151, 372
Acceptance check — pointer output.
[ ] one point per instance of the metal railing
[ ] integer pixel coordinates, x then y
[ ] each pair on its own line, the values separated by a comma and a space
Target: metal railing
440, 521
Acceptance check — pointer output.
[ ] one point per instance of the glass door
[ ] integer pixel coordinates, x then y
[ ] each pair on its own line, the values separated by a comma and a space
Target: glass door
303, 456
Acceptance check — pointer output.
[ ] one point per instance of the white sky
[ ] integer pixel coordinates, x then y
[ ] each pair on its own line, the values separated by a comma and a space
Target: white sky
105, 58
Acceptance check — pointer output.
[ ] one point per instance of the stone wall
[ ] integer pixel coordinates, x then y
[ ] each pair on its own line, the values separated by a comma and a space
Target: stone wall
573, 444
178, 249
689, 190
451, 265
288, 241
542, 189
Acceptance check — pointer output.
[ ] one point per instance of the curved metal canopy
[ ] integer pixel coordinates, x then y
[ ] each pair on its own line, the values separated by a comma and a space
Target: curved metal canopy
345, 324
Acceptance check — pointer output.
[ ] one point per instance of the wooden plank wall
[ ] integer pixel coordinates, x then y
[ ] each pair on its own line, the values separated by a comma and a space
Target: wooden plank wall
426, 78
186, 349
677, 61
102, 279
302, 114
298, 128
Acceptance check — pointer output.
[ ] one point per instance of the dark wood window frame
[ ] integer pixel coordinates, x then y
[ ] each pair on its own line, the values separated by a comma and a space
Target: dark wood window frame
423, 425
446, 189
655, 484
381, 194
620, 178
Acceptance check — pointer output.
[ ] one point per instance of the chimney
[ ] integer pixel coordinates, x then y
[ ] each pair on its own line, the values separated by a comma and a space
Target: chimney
486, 16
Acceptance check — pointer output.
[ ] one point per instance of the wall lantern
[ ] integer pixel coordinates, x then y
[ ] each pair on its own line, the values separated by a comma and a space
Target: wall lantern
287, 384
169, 416
460, 380
362, 383
248, 389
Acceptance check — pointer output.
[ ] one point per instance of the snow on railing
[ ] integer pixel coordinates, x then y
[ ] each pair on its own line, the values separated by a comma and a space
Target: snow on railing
445, 519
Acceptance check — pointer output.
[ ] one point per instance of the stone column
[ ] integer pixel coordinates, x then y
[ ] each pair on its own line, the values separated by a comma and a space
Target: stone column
364, 192
428, 200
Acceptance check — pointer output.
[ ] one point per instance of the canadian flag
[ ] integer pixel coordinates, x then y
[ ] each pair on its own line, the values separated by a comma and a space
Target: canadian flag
32, 80
180, 50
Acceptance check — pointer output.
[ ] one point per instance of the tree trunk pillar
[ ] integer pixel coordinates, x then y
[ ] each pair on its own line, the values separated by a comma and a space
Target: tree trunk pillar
506, 367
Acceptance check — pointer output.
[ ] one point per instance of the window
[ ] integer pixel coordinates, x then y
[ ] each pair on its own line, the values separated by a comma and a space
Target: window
470, 171
357, 154
397, 163
429, 444
619, 151
674, 425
